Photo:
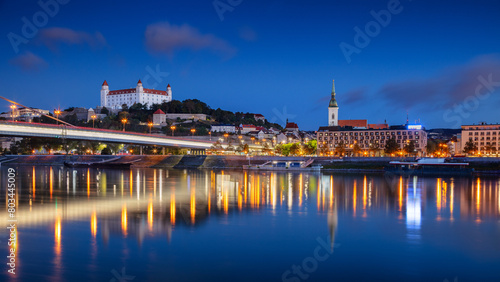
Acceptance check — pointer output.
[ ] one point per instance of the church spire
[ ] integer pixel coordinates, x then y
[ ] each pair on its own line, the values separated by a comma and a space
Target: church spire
333, 101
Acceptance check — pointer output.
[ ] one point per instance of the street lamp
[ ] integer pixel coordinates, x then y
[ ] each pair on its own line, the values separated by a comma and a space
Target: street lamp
225, 136
13, 107
150, 124
124, 121
210, 133
193, 131
93, 119
57, 112
172, 128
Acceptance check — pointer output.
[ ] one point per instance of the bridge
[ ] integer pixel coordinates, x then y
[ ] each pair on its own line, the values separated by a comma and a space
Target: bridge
25, 129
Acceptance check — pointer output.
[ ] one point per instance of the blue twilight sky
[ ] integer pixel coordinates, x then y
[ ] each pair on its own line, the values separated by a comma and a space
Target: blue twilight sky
437, 60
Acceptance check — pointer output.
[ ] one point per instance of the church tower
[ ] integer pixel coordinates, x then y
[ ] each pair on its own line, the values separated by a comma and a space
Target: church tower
104, 94
333, 109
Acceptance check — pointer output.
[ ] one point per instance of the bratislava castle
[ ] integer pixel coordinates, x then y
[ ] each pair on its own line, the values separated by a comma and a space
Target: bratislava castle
116, 98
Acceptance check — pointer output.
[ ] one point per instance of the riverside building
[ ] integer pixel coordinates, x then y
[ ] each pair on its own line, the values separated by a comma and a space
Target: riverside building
372, 137
485, 136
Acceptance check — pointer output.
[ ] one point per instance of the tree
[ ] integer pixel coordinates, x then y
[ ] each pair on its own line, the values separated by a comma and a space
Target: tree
490, 149
431, 147
374, 148
310, 147
70, 145
295, 149
285, 149
104, 111
322, 149
106, 151
115, 147
51, 145
391, 146
356, 149
340, 148
470, 147
265, 148
409, 148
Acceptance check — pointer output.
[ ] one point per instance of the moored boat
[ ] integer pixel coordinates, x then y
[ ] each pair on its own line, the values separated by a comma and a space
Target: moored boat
286, 166
429, 166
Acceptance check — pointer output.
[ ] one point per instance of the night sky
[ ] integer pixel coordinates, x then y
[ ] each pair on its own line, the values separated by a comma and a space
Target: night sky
437, 60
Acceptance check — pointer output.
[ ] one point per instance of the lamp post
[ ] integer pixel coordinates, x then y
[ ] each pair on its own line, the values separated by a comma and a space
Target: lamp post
210, 133
225, 136
150, 124
172, 128
93, 120
124, 121
193, 131
13, 107
57, 112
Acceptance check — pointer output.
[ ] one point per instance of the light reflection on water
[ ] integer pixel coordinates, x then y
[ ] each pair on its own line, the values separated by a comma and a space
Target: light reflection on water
146, 205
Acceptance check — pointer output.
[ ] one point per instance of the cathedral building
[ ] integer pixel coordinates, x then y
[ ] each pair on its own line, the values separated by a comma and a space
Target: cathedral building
367, 137
114, 99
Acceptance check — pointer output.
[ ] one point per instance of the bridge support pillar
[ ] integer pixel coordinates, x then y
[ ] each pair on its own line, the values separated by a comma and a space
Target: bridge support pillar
163, 150
140, 150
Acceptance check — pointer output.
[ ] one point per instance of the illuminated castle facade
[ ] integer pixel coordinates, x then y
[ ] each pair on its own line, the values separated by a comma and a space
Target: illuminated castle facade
116, 98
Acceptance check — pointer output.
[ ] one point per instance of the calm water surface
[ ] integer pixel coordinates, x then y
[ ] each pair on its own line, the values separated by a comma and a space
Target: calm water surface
202, 225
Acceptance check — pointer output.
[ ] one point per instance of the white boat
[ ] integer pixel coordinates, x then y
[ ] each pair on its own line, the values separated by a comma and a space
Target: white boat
286, 166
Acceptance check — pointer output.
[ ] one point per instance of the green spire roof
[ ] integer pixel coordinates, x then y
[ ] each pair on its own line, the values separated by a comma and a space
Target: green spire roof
333, 101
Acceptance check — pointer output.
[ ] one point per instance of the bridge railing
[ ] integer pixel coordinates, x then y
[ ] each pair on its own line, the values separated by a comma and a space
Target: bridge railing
35, 124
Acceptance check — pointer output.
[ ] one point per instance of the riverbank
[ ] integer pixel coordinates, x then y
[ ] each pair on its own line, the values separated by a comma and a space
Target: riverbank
482, 166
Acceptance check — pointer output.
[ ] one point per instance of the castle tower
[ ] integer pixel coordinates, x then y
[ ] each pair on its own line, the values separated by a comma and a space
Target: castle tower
139, 88
333, 109
104, 94
169, 92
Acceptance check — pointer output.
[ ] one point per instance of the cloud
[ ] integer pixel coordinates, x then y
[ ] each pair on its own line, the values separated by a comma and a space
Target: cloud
351, 97
354, 96
166, 38
248, 34
28, 62
446, 89
52, 37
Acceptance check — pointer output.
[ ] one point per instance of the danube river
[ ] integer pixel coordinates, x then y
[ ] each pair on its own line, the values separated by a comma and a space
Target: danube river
202, 225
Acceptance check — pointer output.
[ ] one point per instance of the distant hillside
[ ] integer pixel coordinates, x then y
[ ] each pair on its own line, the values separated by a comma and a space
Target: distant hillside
444, 133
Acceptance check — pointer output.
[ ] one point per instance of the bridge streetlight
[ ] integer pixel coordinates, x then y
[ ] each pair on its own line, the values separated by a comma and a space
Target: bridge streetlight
13, 107
210, 133
172, 128
225, 136
124, 121
150, 124
57, 113
93, 120
193, 131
